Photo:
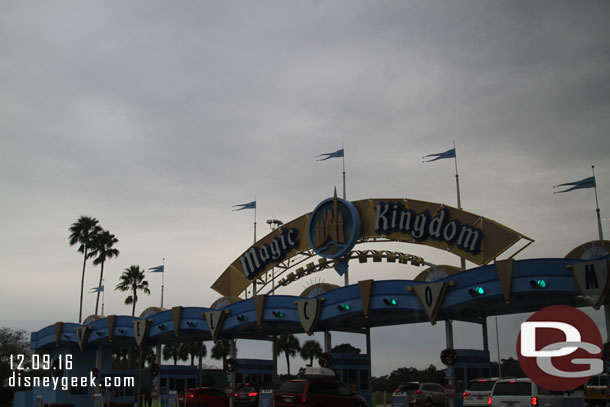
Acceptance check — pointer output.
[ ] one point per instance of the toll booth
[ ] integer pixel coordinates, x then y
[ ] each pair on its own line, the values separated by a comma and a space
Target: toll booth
177, 378
254, 371
470, 364
214, 378
353, 370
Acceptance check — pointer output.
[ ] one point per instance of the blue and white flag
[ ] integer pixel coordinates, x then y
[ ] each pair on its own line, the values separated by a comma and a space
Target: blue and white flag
249, 205
326, 156
158, 269
584, 183
439, 156
97, 289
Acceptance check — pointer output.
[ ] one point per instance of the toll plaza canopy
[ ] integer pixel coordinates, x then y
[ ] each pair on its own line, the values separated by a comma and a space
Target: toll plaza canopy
502, 288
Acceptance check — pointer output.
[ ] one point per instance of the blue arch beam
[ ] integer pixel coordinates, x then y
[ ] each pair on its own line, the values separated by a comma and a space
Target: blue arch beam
392, 303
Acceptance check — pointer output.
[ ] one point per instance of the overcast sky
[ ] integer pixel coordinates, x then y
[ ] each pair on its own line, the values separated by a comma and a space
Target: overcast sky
156, 117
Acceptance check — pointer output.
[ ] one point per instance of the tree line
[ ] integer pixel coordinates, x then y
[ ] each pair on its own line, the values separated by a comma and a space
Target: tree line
391, 382
13, 342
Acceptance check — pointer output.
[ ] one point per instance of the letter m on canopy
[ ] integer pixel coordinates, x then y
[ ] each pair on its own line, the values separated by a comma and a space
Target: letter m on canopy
591, 279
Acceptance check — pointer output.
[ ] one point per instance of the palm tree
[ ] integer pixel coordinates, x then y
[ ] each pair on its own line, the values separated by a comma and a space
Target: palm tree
102, 251
193, 349
172, 351
221, 350
289, 344
132, 280
82, 233
311, 349
148, 356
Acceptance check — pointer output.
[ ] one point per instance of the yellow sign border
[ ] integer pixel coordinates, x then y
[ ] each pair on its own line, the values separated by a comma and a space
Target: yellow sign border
496, 239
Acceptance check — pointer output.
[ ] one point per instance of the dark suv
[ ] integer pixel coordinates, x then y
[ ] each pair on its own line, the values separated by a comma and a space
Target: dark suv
422, 394
317, 393
247, 396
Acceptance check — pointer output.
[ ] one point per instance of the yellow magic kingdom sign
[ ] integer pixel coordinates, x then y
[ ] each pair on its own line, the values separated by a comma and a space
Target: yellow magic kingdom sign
472, 237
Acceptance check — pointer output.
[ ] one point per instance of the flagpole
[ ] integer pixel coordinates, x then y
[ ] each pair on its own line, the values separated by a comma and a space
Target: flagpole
346, 275
249, 205
459, 200
253, 282
457, 179
162, 282
601, 237
448, 322
599, 220
344, 194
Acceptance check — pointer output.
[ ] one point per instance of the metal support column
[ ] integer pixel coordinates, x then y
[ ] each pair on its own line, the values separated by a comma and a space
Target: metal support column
274, 351
139, 401
327, 341
451, 369
607, 314
200, 365
368, 354
233, 355
98, 364
485, 336
156, 380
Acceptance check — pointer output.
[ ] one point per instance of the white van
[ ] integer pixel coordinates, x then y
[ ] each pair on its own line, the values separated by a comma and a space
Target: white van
523, 392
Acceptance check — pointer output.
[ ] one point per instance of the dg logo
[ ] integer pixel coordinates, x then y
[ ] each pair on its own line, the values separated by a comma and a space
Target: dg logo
559, 348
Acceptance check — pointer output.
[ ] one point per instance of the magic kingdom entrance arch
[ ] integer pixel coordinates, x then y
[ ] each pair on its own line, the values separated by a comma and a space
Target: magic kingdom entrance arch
337, 225
439, 293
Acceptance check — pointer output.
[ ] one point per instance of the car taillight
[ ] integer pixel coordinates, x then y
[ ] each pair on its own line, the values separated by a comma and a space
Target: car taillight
252, 394
304, 399
417, 392
466, 394
534, 401
235, 395
489, 401
190, 396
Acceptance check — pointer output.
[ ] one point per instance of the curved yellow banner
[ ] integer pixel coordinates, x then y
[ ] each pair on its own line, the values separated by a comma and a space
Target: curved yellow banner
472, 237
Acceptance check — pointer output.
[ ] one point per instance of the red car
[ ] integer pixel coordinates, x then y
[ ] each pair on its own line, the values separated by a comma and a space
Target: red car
317, 392
204, 396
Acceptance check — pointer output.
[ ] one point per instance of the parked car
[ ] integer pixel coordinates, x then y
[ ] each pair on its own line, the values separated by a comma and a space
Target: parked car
317, 390
203, 396
247, 396
596, 390
422, 394
522, 392
478, 391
